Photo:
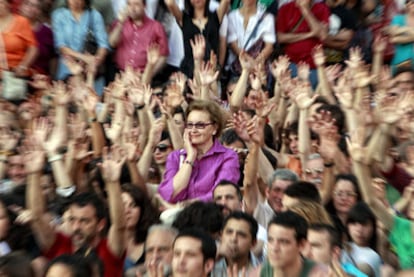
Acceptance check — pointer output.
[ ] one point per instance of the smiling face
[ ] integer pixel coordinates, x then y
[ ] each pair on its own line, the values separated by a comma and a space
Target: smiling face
202, 133
275, 194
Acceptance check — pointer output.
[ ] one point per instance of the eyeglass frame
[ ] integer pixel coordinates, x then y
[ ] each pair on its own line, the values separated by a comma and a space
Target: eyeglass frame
197, 125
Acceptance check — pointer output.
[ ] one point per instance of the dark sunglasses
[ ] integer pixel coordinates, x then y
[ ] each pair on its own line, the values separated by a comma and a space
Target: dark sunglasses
162, 147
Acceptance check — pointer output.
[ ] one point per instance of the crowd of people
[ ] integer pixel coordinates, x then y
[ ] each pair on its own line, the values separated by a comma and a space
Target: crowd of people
203, 138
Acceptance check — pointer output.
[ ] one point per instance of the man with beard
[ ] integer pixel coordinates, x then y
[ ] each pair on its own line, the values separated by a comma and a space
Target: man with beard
237, 241
86, 216
229, 196
132, 36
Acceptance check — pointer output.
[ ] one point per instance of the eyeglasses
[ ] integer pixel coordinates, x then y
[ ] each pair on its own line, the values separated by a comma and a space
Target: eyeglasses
162, 147
310, 171
347, 194
198, 125
409, 1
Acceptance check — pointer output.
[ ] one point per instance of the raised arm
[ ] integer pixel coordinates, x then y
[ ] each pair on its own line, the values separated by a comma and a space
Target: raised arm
175, 11
34, 157
111, 166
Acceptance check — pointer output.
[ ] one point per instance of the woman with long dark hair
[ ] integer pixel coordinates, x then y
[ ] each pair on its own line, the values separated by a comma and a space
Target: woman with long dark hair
198, 20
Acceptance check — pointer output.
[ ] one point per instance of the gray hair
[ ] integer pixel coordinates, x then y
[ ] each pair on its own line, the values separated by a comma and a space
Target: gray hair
314, 156
283, 174
163, 227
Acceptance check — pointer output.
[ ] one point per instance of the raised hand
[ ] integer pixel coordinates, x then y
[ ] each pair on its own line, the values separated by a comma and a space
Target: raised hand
62, 95
112, 162
380, 44
41, 82
198, 45
301, 96
189, 147
333, 72
155, 133
343, 92
280, 66
303, 71
208, 74
355, 58
33, 154
246, 61
174, 96
318, 55
255, 81
356, 148
74, 67
130, 143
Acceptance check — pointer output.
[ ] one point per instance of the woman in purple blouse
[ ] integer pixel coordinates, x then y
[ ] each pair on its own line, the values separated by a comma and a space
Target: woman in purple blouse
193, 172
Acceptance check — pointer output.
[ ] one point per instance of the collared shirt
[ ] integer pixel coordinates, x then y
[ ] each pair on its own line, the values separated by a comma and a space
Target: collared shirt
71, 33
135, 40
219, 163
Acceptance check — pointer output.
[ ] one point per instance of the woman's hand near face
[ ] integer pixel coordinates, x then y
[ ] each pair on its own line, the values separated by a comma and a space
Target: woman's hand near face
189, 147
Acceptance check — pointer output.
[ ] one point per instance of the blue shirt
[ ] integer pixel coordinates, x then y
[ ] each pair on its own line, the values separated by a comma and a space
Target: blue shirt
71, 33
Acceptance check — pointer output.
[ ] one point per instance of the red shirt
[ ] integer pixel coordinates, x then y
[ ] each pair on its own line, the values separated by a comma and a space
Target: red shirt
135, 40
113, 265
287, 17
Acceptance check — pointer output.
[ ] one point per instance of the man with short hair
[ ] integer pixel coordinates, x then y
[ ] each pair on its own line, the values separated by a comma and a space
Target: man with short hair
229, 196
325, 247
133, 34
237, 241
87, 217
264, 211
194, 253
287, 234
158, 249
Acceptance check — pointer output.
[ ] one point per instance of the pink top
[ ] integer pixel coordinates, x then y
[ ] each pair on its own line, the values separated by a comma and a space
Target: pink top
135, 40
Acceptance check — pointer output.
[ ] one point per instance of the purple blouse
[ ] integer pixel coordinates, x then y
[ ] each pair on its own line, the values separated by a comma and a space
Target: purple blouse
219, 163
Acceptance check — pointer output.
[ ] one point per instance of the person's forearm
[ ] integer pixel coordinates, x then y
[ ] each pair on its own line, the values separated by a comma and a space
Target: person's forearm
60, 174
222, 51
3, 166
116, 241
239, 91
251, 190
292, 116
377, 62
145, 160
115, 35
378, 144
304, 144
328, 180
175, 135
402, 38
315, 25
266, 52
182, 178
136, 178
77, 55
325, 88
286, 38
29, 57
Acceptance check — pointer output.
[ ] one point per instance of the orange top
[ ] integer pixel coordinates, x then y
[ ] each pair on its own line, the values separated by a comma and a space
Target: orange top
17, 38
294, 164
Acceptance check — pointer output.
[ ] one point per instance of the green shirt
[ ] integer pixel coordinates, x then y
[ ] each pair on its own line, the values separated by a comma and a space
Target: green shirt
401, 238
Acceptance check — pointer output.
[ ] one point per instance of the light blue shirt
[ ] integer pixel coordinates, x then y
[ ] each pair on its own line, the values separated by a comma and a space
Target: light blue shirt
71, 33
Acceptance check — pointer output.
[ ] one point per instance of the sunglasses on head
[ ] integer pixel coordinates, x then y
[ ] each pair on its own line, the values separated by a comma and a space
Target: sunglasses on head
162, 147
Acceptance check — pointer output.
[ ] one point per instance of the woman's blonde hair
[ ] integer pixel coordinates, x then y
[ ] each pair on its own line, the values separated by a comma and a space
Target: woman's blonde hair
213, 109
313, 212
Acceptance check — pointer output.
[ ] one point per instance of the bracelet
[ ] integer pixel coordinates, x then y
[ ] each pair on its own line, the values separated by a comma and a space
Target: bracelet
66, 192
331, 164
55, 158
189, 162
139, 107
